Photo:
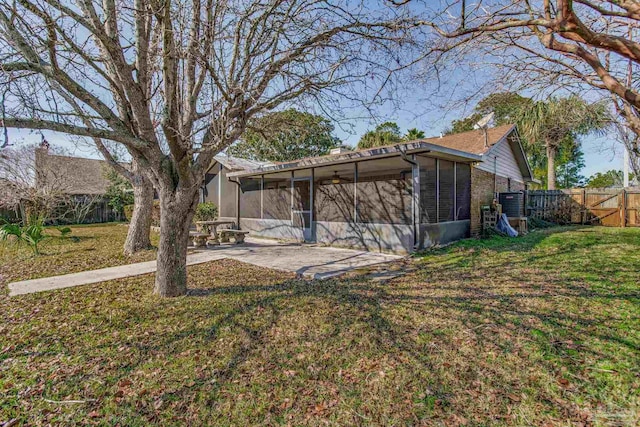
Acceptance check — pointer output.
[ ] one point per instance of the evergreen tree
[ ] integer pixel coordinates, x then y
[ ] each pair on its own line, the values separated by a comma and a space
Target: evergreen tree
285, 135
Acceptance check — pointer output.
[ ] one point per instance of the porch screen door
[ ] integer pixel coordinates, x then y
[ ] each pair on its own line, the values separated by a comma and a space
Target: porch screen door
301, 206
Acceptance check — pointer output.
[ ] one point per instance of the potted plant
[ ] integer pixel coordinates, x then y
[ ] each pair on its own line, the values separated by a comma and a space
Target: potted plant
207, 211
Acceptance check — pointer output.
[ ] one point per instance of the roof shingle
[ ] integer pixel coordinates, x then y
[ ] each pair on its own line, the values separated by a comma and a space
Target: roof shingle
74, 175
472, 141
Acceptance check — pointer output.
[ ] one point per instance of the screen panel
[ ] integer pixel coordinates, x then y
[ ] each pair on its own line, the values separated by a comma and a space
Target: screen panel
277, 196
384, 191
463, 191
428, 190
334, 193
447, 191
228, 192
250, 197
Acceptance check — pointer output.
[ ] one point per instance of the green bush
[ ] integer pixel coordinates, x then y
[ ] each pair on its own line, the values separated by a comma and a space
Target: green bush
207, 211
64, 231
128, 212
119, 192
30, 234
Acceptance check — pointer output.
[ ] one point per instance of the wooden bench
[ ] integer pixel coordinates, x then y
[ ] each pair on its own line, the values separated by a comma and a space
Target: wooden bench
237, 235
199, 239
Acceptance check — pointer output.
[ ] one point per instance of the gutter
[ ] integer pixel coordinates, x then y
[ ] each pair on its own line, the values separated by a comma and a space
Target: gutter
357, 156
403, 154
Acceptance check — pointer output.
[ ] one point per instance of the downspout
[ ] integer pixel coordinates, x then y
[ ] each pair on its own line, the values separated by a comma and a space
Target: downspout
415, 207
403, 154
237, 201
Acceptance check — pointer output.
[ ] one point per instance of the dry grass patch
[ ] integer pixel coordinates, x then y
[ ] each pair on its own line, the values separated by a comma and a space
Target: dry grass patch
541, 330
88, 247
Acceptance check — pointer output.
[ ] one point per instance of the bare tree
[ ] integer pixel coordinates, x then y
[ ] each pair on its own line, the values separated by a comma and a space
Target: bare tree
76, 207
176, 82
138, 233
566, 44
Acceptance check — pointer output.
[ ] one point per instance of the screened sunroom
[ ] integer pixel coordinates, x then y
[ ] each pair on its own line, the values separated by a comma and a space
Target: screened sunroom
397, 198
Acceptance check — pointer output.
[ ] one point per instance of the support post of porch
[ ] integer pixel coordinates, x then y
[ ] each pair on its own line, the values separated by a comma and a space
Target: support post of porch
415, 201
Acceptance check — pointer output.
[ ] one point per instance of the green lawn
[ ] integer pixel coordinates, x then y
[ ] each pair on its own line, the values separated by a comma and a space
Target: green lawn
541, 330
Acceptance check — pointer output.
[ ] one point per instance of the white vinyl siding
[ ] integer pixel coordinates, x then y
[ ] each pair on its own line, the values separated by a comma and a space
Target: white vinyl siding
506, 164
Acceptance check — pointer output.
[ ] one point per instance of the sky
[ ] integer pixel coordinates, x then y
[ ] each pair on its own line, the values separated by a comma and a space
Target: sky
424, 104
600, 153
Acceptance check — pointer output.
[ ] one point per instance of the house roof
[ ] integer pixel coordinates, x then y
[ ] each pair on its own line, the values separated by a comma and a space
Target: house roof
465, 146
474, 141
238, 163
73, 175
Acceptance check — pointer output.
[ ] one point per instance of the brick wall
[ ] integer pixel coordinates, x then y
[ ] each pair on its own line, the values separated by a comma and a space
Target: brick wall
482, 194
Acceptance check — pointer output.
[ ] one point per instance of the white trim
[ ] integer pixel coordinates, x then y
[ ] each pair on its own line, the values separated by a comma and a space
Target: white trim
437, 190
355, 192
455, 191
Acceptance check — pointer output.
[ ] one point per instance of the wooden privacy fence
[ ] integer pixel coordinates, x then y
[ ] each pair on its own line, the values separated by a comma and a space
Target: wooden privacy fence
612, 207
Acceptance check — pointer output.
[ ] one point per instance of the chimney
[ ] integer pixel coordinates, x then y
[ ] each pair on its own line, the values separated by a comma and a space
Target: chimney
339, 150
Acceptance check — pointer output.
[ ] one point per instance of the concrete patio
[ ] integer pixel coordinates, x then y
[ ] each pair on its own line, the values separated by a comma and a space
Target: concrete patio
309, 261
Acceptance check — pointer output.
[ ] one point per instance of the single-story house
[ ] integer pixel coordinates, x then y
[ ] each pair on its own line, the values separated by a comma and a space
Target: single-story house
398, 198
81, 184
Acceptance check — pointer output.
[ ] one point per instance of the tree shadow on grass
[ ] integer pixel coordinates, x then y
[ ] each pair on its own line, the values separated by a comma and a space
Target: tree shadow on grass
375, 304
391, 315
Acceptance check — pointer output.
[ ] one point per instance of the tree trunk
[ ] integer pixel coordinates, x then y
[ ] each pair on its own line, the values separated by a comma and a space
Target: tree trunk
551, 167
140, 225
176, 213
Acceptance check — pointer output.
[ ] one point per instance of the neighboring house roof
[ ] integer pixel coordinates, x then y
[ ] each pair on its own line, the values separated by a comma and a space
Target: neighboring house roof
470, 146
72, 175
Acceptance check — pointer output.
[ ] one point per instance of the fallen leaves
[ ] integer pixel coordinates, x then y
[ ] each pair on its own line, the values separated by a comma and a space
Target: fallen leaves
500, 339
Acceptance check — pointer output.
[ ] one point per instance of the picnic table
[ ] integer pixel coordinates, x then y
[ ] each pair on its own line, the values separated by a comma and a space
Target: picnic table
211, 227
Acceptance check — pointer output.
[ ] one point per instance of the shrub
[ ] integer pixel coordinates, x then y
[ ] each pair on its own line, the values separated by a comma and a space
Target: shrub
207, 211
30, 234
64, 231
128, 212
119, 192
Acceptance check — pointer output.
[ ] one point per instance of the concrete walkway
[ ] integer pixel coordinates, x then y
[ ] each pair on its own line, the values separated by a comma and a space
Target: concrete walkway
305, 260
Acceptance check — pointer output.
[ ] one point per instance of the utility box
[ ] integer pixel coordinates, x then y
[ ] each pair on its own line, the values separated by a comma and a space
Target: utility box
512, 203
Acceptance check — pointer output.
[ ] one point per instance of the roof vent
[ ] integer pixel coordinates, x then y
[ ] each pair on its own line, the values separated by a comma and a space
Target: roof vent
339, 150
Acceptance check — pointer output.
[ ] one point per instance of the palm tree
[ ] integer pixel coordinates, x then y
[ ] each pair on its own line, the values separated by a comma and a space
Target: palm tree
386, 133
550, 123
413, 134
